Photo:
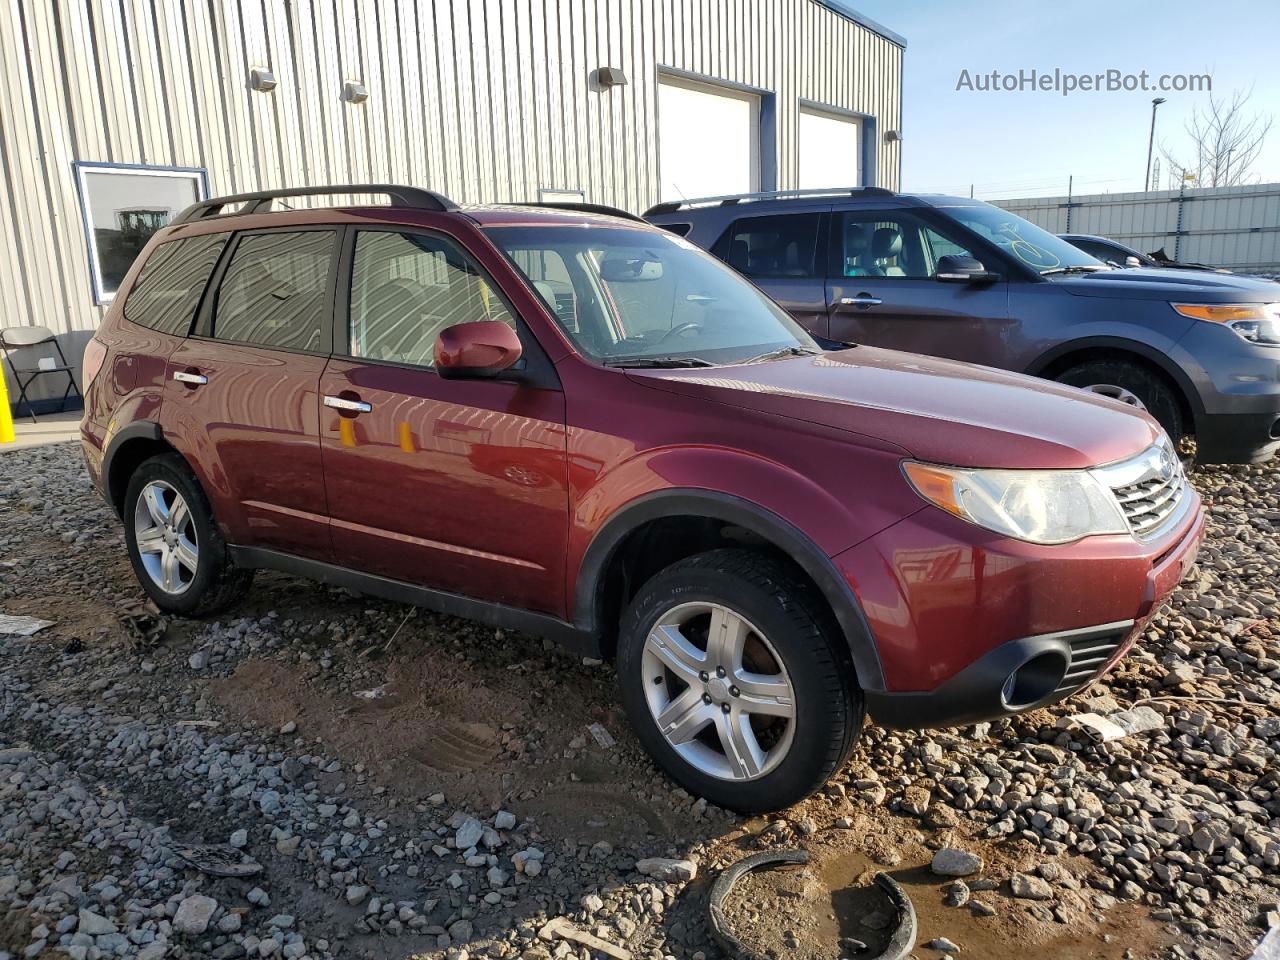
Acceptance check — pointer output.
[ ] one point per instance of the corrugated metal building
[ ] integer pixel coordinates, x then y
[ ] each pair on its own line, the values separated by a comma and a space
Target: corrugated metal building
115, 113
1233, 227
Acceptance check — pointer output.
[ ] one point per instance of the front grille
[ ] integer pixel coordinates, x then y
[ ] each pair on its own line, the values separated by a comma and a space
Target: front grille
1149, 488
1088, 655
1148, 503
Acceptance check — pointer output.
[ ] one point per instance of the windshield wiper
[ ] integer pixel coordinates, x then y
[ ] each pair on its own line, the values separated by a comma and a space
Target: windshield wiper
659, 362
1083, 268
783, 352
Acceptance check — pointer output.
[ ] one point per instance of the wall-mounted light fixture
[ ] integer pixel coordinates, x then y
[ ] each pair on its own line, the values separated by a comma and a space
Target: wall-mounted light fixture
261, 79
353, 91
610, 77
892, 136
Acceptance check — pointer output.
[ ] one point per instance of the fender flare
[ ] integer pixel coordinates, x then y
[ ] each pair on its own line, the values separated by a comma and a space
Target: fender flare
141, 430
743, 513
1149, 353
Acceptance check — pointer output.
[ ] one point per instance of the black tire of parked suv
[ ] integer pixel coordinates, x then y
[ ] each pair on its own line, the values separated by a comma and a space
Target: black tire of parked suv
217, 582
829, 705
1151, 388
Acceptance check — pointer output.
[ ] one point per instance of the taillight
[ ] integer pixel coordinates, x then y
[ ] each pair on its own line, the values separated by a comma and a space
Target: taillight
95, 354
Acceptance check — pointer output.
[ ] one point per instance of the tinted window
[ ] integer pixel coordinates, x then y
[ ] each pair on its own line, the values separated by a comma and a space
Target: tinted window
168, 288
782, 246
406, 288
890, 244
1020, 238
274, 290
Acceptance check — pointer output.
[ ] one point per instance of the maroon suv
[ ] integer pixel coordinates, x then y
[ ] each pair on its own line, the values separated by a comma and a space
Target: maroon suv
571, 423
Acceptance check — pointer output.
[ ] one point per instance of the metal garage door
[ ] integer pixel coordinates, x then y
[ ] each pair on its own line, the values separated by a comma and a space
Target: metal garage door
830, 152
708, 139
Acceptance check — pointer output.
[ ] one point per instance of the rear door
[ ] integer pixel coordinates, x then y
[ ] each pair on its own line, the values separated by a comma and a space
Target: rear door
458, 485
882, 289
785, 256
241, 394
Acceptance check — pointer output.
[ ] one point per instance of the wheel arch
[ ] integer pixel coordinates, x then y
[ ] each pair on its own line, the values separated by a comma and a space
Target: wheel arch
603, 585
1052, 363
125, 452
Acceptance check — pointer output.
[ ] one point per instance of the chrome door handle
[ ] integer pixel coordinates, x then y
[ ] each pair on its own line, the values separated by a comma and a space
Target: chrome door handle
351, 406
860, 301
183, 376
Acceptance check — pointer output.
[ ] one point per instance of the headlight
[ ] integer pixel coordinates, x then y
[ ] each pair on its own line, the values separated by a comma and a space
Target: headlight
1255, 322
1039, 506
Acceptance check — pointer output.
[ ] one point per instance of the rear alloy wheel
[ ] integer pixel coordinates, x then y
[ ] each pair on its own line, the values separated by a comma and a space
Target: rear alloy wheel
176, 549
736, 682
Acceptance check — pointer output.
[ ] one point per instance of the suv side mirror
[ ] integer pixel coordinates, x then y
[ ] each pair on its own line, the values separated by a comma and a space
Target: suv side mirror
472, 351
961, 269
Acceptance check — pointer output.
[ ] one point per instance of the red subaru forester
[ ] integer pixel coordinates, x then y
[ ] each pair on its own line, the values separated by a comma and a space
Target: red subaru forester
559, 419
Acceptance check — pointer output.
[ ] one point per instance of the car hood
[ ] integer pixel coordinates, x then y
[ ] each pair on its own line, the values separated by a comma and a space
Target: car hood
940, 411
1155, 283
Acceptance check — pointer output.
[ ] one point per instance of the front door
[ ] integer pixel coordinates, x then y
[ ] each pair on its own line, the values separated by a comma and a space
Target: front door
241, 394
882, 290
459, 485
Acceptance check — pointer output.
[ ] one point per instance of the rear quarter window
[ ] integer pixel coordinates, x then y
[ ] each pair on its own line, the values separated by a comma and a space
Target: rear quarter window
171, 282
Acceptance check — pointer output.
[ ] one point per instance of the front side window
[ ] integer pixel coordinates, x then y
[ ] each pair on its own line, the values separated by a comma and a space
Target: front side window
772, 247
628, 294
406, 288
891, 244
169, 286
274, 292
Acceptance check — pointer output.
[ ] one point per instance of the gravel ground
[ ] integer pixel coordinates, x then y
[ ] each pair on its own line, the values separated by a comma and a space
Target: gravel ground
402, 784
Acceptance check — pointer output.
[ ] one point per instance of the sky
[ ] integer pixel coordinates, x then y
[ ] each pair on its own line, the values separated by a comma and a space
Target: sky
1029, 143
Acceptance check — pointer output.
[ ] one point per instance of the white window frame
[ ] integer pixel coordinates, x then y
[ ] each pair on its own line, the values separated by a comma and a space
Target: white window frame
198, 175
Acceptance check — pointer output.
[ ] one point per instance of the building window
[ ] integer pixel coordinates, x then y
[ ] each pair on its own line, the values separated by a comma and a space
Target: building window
709, 139
122, 206
830, 150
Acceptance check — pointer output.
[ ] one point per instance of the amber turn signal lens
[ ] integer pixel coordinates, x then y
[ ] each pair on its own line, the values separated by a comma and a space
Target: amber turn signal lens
936, 486
1222, 312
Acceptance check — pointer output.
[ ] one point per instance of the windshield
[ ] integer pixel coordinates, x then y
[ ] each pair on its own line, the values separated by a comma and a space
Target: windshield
1023, 240
632, 295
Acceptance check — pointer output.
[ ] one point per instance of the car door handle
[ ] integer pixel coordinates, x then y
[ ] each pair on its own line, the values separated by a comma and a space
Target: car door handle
351, 406
186, 376
861, 300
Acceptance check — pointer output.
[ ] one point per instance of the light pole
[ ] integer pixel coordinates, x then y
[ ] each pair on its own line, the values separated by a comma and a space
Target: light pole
1146, 183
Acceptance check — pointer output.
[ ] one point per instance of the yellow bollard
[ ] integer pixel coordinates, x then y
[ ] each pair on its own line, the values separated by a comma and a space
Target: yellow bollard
6, 417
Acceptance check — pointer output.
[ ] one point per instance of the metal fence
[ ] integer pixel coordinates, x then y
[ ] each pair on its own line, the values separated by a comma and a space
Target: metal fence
1233, 227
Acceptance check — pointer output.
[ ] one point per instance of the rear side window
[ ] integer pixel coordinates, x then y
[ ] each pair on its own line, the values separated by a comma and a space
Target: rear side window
171, 282
781, 246
274, 292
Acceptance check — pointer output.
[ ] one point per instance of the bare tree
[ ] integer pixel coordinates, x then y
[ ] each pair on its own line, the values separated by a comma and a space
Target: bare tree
1225, 141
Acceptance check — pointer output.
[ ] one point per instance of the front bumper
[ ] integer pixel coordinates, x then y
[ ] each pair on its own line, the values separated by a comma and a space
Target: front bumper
957, 613
1237, 394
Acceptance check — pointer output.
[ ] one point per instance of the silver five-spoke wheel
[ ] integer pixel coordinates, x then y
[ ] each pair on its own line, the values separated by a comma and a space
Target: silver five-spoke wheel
166, 536
1116, 392
718, 691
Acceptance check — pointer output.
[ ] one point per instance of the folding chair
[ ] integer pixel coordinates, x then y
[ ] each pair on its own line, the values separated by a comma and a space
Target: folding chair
13, 339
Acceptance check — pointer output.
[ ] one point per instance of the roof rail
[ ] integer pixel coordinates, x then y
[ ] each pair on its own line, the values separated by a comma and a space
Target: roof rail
585, 208
260, 201
671, 206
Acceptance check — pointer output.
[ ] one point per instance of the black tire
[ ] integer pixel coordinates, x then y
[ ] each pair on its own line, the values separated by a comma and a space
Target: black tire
828, 702
216, 583
1155, 392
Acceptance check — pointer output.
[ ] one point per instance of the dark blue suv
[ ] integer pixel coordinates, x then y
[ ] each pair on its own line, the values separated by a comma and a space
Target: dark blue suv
960, 278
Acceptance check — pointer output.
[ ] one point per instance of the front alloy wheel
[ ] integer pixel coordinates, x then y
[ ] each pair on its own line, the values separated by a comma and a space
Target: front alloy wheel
718, 691
737, 680
168, 545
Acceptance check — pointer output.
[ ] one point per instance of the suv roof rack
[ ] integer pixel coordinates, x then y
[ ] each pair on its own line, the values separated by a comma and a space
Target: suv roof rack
671, 206
260, 201
601, 208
